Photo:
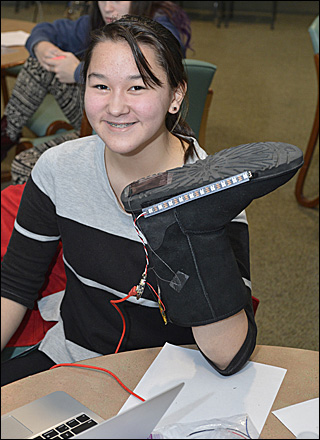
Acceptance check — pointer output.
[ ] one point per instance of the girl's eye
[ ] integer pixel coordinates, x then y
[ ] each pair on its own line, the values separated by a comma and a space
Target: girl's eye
100, 87
137, 88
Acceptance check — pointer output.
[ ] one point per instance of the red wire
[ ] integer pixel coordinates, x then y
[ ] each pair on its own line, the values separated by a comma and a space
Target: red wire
123, 327
101, 369
236, 433
157, 296
113, 302
132, 292
146, 252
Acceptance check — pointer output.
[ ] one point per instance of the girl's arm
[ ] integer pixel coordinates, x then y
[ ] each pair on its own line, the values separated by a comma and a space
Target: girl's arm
222, 340
11, 317
67, 35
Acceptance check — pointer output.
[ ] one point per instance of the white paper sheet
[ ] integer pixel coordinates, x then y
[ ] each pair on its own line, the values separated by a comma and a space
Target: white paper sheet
206, 393
302, 417
14, 38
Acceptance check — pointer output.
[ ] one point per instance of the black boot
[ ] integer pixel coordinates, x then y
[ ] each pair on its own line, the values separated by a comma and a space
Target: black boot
6, 142
189, 248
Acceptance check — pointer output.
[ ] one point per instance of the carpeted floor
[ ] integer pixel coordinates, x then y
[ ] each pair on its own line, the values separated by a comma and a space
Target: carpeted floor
265, 88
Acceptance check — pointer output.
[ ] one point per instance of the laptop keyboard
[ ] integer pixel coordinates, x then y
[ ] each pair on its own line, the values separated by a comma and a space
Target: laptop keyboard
69, 428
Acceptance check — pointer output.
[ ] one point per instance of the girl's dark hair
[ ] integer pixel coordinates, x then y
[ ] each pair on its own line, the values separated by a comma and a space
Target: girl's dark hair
96, 20
138, 31
150, 9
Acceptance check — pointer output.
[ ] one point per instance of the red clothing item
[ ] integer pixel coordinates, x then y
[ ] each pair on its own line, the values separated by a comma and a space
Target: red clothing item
32, 328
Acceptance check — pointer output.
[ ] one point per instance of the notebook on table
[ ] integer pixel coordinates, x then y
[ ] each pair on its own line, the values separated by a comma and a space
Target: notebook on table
60, 416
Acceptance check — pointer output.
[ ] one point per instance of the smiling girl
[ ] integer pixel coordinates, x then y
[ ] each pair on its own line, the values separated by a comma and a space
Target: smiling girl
134, 87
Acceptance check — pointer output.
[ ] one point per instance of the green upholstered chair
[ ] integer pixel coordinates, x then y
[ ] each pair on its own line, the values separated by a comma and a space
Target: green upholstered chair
48, 119
302, 200
314, 34
55, 128
200, 75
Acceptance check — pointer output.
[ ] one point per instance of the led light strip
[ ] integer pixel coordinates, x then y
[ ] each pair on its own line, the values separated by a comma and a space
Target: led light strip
197, 193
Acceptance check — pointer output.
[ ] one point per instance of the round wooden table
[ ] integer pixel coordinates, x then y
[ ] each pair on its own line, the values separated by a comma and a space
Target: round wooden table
19, 53
105, 396
13, 55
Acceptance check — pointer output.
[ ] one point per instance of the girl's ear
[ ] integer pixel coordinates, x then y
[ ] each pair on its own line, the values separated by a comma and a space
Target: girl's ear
177, 99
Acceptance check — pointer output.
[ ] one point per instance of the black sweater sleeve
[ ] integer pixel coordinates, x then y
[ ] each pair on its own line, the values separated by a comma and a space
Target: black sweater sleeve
32, 245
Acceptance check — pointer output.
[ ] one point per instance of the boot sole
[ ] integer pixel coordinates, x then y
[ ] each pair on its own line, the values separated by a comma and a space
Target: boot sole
262, 161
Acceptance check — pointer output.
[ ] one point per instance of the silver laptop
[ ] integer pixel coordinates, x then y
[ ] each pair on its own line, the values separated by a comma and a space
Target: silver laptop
59, 416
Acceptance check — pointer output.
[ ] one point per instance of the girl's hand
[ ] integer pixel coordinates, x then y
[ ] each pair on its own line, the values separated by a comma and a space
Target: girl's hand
63, 65
44, 51
53, 59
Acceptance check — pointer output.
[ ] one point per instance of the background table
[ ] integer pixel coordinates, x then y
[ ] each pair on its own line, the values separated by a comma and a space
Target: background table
16, 55
101, 392
19, 53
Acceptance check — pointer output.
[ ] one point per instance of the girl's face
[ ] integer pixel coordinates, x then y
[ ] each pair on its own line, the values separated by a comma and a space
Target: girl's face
111, 11
124, 112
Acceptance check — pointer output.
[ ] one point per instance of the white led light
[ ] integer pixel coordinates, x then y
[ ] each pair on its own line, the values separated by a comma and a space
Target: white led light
197, 193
